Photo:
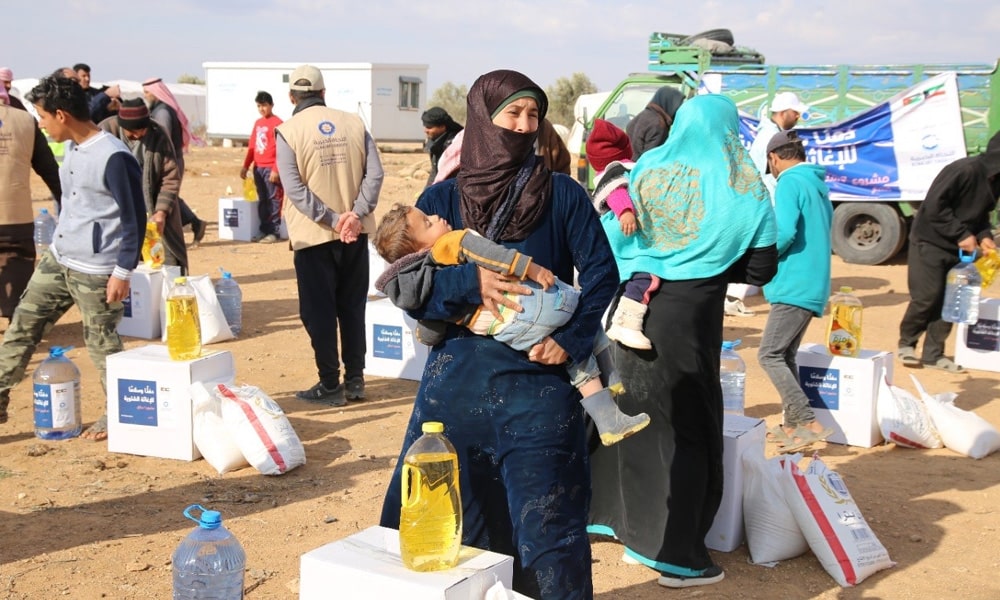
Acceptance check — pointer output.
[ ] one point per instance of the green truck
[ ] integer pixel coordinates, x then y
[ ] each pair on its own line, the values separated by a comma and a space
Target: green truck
867, 230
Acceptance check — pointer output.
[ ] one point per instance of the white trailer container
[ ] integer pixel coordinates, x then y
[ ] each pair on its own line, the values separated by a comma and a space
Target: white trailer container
388, 97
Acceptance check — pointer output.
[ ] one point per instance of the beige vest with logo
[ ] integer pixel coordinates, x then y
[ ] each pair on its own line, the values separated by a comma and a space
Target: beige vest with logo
330, 152
17, 142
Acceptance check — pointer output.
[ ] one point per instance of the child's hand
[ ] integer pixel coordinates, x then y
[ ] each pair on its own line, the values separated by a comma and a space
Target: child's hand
628, 223
541, 276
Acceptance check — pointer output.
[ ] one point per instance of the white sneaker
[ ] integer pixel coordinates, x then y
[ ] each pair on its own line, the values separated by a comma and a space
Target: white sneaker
735, 308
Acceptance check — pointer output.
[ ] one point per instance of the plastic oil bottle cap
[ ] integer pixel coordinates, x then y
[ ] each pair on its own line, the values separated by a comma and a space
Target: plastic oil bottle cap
180, 280
432, 427
846, 289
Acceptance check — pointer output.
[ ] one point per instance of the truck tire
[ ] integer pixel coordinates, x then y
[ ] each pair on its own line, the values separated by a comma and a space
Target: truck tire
867, 233
719, 35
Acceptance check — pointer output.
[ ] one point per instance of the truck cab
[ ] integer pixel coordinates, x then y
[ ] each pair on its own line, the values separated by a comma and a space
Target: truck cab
867, 230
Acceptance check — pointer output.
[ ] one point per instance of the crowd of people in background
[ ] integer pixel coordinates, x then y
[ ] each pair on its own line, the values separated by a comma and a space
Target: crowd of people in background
682, 211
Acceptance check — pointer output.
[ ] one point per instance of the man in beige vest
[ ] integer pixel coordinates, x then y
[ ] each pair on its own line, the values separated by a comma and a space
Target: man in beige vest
22, 148
332, 175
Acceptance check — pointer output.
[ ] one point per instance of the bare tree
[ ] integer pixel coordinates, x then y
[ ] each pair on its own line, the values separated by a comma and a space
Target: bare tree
563, 94
451, 97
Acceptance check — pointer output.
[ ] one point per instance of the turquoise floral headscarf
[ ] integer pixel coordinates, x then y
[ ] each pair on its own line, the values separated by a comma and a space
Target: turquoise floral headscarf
699, 200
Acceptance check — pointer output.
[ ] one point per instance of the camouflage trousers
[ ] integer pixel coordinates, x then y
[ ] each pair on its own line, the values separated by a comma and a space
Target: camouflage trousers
52, 290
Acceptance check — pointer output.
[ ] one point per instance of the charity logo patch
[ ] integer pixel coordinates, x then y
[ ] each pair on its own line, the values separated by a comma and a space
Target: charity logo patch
327, 128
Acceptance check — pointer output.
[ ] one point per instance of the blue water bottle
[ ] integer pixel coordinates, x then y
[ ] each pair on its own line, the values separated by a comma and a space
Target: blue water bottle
231, 300
57, 397
209, 562
962, 290
732, 377
45, 226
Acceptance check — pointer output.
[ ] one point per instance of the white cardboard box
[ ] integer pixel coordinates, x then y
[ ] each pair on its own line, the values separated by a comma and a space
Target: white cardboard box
739, 434
978, 346
238, 220
142, 306
149, 400
391, 341
842, 391
367, 566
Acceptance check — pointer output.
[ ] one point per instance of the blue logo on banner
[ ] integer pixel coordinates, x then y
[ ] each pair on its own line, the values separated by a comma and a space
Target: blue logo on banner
858, 154
387, 341
822, 386
137, 402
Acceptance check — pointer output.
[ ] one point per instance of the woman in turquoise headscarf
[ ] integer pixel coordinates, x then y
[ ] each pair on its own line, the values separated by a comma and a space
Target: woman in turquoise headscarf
704, 221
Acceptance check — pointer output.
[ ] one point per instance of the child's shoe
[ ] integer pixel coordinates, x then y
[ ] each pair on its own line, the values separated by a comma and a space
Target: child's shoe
626, 324
613, 425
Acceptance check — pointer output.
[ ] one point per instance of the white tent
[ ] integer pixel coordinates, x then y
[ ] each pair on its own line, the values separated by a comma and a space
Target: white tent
587, 103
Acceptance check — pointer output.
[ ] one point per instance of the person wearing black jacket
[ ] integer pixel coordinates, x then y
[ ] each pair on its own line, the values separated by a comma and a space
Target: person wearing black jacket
954, 217
651, 126
441, 130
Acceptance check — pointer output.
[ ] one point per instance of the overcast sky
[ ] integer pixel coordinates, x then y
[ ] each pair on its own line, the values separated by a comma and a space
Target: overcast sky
461, 39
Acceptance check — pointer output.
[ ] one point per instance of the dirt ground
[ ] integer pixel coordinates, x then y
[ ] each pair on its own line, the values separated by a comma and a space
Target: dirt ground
77, 521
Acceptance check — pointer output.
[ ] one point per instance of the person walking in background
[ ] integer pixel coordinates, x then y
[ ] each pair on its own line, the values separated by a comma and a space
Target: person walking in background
261, 154
440, 130
24, 149
6, 82
552, 149
103, 103
165, 110
161, 180
609, 151
513, 417
332, 175
96, 245
706, 221
786, 110
955, 216
801, 287
651, 127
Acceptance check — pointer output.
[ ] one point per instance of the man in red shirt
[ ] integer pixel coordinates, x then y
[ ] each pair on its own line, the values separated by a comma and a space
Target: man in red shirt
261, 154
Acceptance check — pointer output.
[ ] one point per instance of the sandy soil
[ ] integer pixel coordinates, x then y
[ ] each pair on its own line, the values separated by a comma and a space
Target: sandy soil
79, 522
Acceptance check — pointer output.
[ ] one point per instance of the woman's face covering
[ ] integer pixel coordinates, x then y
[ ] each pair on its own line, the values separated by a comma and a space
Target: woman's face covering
521, 116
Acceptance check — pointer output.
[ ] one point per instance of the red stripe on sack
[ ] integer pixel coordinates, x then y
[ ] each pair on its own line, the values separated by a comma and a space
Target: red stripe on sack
257, 426
824, 525
895, 437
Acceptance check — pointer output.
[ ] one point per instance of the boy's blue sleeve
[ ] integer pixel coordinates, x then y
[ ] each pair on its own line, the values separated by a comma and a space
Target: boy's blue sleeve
123, 178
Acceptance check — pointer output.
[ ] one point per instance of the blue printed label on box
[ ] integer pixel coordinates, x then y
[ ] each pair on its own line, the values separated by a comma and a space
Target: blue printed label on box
137, 402
127, 304
984, 335
822, 386
231, 217
387, 341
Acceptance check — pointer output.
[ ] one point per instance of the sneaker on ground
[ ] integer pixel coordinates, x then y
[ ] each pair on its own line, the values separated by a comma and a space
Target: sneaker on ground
354, 388
268, 239
321, 394
735, 308
709, 576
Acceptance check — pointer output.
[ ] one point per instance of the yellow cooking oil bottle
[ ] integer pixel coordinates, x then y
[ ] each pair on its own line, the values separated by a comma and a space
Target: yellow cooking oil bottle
183, 325
430, 520
152, 247
843, 336
987, 265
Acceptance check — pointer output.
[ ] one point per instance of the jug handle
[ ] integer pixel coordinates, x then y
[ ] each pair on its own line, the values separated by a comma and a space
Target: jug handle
410, 493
